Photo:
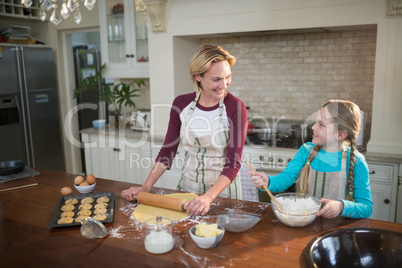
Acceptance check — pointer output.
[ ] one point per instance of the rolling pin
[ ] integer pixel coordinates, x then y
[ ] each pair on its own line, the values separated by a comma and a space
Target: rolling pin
161, 201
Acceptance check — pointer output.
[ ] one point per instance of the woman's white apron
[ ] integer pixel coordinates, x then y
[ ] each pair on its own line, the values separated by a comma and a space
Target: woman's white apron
205, 157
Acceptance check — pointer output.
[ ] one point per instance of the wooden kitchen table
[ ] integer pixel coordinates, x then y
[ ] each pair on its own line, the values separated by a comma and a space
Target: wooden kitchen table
27, 241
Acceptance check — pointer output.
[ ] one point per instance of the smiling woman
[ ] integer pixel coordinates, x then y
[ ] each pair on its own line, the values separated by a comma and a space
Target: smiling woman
211, 125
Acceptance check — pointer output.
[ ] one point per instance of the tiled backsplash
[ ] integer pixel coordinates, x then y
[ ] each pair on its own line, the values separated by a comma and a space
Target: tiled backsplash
292, 75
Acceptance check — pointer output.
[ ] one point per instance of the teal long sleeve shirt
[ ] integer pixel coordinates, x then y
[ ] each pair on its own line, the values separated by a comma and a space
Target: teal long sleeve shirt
362, 205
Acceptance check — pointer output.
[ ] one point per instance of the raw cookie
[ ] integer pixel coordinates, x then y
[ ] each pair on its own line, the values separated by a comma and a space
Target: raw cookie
67, 214
101, 205
85, 206
100, 217
84, 213
100, 211
82, 218
145, 212
67, 208
65, 220
71, 201
87, 200
103, 199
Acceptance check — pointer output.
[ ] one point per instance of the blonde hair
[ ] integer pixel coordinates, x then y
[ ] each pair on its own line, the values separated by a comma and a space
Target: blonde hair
347, 115
203, 58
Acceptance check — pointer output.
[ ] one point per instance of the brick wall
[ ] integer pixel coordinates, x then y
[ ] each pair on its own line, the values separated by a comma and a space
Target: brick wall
291, 75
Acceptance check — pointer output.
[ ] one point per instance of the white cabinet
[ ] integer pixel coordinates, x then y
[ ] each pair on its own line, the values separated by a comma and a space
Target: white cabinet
124, 39
118, 159
383, 181
14, 8
170, 178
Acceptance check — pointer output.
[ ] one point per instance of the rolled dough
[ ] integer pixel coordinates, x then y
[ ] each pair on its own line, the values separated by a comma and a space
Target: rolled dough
145, 212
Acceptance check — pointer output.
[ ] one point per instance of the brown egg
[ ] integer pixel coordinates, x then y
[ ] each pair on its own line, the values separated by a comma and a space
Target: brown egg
85, 183
66, 191
91, 179
78, 180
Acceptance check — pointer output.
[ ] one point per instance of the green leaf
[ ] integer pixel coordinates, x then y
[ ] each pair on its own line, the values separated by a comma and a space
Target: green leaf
120, 94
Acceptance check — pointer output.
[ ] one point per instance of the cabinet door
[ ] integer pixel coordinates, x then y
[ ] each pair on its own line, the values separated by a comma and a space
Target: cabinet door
383, 181
137, 163
124, 44
380, 194
100, 159
129, 165
171, 177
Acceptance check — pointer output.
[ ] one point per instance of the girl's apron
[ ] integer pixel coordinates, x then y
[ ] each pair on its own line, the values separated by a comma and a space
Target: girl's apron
205, 158
331, 185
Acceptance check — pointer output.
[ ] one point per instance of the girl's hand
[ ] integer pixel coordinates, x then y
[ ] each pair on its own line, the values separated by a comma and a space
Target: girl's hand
199, 205
332, 208
259, 179
129, 193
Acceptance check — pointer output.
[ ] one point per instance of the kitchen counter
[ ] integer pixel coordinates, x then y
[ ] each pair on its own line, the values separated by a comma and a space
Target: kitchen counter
26, 239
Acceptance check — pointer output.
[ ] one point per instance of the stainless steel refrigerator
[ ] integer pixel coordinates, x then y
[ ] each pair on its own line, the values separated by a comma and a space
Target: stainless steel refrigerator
29, 118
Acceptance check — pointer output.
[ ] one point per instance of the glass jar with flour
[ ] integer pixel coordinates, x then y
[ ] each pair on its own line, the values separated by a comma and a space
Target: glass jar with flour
158, 235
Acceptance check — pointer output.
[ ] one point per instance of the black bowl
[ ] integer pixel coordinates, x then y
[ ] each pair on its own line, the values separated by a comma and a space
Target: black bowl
355, 247
11, 167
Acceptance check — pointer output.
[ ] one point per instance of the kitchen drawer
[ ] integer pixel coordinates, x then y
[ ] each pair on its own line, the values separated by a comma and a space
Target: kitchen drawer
381, 173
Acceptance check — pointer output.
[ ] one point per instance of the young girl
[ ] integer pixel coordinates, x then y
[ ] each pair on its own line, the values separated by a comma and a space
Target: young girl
330, 167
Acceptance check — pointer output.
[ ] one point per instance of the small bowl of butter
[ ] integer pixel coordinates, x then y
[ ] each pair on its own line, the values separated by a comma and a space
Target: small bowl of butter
207, 235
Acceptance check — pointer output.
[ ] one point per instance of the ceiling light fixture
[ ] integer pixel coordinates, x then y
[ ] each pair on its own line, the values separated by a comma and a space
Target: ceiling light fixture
67, 7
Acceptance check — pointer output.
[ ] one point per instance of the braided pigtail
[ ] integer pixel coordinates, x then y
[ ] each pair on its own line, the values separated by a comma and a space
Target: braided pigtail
351, 167
301, 183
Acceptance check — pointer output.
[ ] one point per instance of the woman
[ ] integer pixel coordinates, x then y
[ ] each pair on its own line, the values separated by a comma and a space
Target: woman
211, 125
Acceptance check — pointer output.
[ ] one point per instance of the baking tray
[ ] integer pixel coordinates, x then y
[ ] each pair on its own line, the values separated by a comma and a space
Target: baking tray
57, 212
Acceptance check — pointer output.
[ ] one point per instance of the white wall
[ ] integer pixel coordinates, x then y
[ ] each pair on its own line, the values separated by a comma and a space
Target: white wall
192, 17
66, 83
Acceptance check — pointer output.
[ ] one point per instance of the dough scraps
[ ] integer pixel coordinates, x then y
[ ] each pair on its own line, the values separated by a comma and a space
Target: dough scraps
145, 212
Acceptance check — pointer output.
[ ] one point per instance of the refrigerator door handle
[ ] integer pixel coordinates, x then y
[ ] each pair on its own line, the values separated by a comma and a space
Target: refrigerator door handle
24, 120
28, 121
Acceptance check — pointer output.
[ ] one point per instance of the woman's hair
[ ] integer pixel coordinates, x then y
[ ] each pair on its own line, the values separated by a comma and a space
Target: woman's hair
346, 115
203, 58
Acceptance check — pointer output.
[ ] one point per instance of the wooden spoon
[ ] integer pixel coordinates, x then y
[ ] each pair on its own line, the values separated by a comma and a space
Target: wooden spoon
267, 190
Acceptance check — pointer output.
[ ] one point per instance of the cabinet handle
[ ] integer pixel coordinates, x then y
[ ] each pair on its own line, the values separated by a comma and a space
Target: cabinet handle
372, 172
386, 201
116, 150
132, 56
127, 56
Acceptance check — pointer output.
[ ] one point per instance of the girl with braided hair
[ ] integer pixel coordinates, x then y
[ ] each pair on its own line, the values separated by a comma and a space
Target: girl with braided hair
329, 167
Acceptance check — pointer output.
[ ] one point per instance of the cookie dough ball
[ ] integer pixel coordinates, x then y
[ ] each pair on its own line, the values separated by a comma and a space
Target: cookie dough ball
87, 200
103, 199
85, 206
65, 220
67, 208
100, 217
85, 213
101, 205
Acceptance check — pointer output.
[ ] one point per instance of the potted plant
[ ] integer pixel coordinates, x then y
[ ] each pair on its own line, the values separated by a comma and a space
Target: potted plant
118, 95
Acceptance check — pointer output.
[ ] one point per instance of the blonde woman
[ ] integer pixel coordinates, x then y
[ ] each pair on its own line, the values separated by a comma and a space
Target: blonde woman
211, 125
330, 167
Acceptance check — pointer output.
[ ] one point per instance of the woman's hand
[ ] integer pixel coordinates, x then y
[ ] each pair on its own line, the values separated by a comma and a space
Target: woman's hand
199, 205
129, 193
332, 208
259, 179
